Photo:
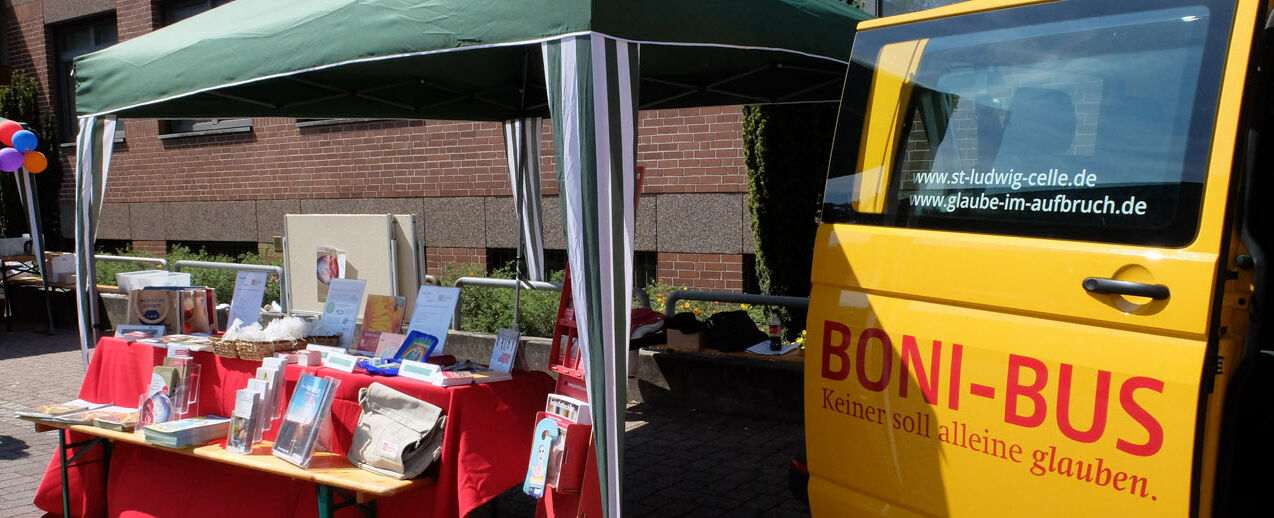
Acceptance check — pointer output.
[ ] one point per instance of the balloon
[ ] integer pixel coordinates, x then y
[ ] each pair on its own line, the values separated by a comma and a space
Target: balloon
10, 160
25, 141
34, 161
7, 129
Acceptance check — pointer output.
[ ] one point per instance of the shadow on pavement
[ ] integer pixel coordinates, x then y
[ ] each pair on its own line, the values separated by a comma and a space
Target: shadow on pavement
684, 462
12, 448
30, 340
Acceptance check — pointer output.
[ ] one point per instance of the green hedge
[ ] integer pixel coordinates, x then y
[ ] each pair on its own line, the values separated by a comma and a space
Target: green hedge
221, 280
488, 309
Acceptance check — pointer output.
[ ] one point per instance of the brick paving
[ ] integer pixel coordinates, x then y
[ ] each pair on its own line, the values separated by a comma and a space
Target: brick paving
678, 462
35, 368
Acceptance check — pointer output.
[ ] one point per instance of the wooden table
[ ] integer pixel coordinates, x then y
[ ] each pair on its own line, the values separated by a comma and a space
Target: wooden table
330, 472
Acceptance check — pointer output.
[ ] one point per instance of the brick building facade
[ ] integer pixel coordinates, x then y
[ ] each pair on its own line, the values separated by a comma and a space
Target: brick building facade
231, 182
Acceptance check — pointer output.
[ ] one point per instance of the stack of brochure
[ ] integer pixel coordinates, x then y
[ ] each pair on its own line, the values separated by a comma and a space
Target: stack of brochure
184, 433
56, 410
112, 418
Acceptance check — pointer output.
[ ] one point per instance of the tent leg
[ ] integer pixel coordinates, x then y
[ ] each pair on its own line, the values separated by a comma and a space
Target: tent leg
517, 263
37, 240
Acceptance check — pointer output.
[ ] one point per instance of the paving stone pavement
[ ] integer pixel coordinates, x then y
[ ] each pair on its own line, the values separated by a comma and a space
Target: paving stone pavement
682, 462
678, 462
35, 369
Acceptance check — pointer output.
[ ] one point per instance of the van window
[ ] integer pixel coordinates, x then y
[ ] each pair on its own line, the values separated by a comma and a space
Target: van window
1074, 120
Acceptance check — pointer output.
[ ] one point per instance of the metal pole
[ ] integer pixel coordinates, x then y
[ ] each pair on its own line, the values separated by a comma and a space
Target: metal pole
37, 239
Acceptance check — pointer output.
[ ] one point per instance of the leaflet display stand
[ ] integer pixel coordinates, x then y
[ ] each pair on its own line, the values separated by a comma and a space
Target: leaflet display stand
573, 490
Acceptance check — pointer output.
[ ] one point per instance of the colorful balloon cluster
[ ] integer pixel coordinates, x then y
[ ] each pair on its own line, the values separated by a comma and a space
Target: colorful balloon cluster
22, 153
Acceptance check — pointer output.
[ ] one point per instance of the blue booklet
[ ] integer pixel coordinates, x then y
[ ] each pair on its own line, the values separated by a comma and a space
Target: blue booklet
417, 347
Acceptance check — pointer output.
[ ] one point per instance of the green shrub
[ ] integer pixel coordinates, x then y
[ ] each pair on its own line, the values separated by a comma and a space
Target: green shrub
659, 291
220, 280
786, 150
488, 309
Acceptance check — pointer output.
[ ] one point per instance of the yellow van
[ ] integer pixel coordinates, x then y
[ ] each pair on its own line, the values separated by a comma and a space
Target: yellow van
1039, 277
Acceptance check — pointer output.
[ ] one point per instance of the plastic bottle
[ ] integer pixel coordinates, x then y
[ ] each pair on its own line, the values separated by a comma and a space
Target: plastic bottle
776, 332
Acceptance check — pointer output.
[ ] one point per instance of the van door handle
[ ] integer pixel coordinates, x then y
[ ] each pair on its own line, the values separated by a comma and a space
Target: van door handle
1136, 289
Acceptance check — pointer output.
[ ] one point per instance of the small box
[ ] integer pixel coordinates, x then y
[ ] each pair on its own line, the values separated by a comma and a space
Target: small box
59, 267
309, 357
687, 341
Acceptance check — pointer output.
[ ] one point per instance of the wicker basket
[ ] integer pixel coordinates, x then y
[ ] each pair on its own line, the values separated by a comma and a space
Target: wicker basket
255, 351
225, 348
329, 340
283, 346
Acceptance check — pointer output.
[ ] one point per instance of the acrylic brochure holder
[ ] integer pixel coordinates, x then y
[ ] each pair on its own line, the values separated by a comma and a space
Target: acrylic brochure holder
306, 420
158, 406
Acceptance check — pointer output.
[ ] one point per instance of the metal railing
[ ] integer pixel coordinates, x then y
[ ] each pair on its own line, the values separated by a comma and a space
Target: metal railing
488, 282
670, 305
163, 263
277, 270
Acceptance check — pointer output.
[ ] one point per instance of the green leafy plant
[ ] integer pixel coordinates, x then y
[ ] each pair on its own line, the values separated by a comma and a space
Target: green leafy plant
488, 309
786, 150
220, 280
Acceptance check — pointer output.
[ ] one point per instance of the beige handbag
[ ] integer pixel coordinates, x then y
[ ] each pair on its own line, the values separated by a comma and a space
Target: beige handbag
397, 435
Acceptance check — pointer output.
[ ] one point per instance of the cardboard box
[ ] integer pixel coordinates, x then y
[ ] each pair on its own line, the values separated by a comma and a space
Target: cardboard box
687, 341
155, 307
59, 267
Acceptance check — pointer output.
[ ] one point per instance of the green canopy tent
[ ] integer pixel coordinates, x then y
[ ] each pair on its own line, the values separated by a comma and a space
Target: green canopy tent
589, 65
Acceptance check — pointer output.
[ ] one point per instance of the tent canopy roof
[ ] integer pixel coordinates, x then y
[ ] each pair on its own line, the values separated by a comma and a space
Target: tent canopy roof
402, 59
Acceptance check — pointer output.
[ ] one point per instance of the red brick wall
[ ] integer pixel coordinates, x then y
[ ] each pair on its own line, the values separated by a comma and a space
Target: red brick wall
715, 272
398, 159
29, 46
692, 150
134, 18
437, 257
153, 247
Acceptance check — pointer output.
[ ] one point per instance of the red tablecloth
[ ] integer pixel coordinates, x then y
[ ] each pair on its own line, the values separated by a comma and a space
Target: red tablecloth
486, 445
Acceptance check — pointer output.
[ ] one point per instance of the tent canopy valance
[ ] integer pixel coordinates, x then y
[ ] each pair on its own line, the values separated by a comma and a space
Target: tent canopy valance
472, 60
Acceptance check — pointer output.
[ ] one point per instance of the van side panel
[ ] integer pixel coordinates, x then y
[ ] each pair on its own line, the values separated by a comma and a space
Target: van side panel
953, 402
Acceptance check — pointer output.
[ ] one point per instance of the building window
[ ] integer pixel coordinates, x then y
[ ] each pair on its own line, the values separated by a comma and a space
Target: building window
113, 246
73, 40
174, 12
645, 264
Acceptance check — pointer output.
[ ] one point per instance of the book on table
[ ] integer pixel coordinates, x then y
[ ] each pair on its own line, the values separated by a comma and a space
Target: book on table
184, 433
451, 378
50, 411
490, 376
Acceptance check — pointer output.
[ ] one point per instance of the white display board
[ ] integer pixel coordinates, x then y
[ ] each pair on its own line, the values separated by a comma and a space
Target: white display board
368, 246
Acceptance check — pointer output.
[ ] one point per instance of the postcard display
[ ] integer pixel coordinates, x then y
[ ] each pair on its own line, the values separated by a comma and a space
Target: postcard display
256, 406
562, 470
174, 390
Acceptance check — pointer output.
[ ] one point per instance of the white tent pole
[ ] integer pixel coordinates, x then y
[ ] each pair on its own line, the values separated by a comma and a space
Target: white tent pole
93, 149
37, 235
